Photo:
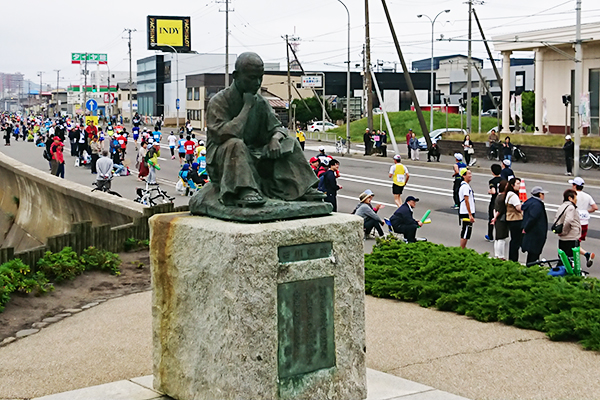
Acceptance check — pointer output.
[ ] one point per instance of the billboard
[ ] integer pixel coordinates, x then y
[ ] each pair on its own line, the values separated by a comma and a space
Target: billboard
168, 33
92, 58
312, 81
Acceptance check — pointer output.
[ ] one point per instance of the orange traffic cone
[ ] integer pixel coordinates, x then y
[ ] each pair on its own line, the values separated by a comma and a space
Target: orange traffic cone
522, 191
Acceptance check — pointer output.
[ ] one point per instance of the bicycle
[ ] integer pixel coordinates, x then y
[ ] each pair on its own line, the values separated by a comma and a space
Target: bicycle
104, 186
493, 152
589, 160
146, 197
518, 154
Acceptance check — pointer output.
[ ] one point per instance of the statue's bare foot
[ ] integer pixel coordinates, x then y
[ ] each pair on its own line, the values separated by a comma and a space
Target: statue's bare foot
313, 195
250, 198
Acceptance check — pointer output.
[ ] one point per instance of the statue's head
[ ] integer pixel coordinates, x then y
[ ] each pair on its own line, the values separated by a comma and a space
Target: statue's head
248, 74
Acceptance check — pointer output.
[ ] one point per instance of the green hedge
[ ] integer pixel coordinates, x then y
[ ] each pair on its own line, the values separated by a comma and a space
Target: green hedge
463, 281
15, 276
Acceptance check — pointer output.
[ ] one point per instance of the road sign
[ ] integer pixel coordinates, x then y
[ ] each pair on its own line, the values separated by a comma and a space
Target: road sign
177, 104
110, 98
92, 58
91, 105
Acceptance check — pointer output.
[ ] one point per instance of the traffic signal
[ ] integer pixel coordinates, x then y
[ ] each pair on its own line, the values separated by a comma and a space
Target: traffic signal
94, 89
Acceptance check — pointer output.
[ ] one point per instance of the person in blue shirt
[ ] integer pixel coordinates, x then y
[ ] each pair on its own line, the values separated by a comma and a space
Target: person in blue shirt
181, 149
186, 176
328, 183
156, 135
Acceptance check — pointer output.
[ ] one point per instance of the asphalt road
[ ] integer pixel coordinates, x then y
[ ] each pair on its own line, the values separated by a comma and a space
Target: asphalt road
430, 182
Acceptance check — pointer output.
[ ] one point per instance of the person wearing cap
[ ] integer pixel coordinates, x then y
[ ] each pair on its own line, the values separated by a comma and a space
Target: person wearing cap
457, 178
507, 173
322, 156
368, 213
314, 164
201, 146
585, 205
466, 210
403, 222
507, 149
172, 141
569, 149
151, 159
535, 224
202, 164
399, 174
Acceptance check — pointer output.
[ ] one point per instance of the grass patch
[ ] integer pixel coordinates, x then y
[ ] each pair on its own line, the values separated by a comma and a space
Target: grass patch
469, 283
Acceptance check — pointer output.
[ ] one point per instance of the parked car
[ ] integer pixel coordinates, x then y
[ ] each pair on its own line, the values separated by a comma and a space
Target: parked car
510, 127
490, 113
318, 126
436, 135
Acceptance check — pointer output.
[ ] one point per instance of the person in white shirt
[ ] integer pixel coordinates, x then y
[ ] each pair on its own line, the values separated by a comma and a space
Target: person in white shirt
172, 139
466, 211
585, 206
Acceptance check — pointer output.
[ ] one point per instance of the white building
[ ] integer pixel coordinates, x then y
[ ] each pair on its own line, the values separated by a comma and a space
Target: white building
443, 67
554, 73
189, 64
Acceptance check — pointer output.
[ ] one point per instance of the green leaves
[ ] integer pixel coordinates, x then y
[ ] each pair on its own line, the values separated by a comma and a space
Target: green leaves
463, 281
15, 276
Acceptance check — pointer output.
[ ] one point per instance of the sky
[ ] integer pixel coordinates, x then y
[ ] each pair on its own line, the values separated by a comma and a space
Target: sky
47, 32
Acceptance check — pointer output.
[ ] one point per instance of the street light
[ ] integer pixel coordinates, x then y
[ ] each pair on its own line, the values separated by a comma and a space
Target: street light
347, 87
177, 78
431, 81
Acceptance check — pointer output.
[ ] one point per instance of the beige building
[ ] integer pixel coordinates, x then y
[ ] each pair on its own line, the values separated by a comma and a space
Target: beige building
554, 73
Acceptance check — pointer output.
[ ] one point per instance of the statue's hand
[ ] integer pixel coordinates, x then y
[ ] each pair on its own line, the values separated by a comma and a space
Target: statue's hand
250, 99
274, 148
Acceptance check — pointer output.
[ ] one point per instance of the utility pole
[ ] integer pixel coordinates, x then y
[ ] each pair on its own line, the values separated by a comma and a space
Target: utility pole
227, 10
289, 81
57, 79
85, 74
576, 101
130, 79
469, 83
40, 73
368, 83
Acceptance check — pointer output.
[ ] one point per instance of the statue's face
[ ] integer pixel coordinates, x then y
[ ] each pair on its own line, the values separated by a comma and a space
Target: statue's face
249, 78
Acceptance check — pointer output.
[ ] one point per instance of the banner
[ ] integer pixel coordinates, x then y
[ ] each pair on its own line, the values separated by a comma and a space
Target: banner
584, 110
544, 113
519, 108
512, 108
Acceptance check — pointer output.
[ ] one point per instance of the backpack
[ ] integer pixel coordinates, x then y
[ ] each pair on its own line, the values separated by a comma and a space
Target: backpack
47, 155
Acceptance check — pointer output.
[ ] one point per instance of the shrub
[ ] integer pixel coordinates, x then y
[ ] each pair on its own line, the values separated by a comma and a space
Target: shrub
463, 281
102, 260
61, 266
132, 244
15, 276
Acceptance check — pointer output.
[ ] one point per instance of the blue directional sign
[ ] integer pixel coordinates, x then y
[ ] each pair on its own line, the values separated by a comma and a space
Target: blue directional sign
177, 104
91, 105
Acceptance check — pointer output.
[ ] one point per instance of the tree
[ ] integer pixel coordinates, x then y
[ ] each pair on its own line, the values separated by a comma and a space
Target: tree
528, 105
314, 110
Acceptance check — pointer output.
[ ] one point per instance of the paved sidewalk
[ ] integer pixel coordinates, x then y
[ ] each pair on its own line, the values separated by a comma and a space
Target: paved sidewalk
454, 354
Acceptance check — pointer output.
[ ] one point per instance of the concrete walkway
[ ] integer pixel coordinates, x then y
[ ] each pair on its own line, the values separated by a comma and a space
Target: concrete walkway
454, 354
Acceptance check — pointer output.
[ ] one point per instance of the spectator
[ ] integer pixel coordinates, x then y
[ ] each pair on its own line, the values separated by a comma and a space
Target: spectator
433, 152
414, 147
514, 218
507, 149
507, 173
383, 147
368, 213
493, 192
568, 216
499, 222
403, 222
367, 141
301, 137
141, 164
569, 149
408, 137
328, 183
314, 164
535, 224
467, 145
466, 211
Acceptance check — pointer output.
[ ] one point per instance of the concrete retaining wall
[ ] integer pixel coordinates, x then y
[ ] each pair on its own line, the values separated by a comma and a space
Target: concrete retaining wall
35, 205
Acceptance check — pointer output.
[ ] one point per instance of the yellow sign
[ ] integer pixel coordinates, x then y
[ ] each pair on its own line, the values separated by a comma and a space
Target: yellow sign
92, 119
169, 31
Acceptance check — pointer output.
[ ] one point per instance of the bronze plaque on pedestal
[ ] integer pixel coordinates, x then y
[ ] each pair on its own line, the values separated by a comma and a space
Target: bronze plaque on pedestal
305, 326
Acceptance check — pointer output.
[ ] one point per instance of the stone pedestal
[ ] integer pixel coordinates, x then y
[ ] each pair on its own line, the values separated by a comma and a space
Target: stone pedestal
258, 311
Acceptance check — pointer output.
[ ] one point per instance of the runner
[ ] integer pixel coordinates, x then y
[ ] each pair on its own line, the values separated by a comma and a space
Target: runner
466, 212
172, 140
189, 145
181, 148
399, 174
457, 178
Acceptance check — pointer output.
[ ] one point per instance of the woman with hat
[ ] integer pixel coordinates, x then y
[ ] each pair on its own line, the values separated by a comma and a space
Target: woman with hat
365, 210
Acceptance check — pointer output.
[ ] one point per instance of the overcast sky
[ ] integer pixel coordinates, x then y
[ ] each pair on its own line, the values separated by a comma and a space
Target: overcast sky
39, 35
